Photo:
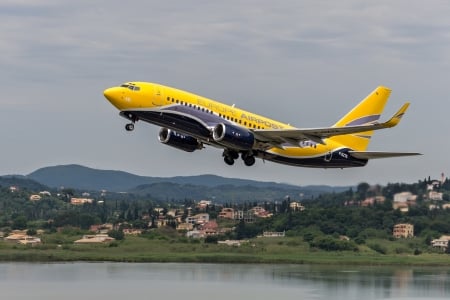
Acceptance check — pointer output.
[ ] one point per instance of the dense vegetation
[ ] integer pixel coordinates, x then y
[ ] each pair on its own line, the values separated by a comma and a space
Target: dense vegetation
320, 227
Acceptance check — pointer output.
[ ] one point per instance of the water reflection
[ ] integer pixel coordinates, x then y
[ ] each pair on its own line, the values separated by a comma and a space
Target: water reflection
220, 281
374, 282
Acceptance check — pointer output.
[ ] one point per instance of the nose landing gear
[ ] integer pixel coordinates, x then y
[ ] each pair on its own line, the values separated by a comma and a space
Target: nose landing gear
132, 118
129, 127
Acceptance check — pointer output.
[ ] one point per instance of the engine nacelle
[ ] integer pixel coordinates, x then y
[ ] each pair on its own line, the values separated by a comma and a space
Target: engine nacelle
178, 140
233, 137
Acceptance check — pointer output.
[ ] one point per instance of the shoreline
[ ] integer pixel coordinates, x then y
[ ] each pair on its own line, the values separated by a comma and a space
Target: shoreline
137, 249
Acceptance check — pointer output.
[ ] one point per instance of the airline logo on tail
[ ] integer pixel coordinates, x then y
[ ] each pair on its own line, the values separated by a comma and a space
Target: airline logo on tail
189, 122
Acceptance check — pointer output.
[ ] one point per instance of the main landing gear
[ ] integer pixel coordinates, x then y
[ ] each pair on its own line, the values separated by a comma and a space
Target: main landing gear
229, 156
248, 158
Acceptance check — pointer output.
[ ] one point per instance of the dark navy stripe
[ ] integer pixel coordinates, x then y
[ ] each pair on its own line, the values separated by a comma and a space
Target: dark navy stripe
336, 161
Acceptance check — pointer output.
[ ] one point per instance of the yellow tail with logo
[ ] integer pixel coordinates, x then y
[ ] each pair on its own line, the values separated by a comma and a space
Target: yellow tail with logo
368, 111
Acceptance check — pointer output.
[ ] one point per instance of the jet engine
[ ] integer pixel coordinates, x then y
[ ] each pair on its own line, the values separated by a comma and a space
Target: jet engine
233, 137
178, 140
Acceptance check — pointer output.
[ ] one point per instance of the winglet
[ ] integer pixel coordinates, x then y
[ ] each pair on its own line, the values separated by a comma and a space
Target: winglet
397, 117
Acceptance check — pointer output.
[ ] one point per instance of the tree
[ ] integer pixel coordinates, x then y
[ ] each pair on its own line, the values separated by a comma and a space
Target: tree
362, 189
117, 234
86, 220
141, 224
211, 239
20, 222
308, 237
31, 232
244, 230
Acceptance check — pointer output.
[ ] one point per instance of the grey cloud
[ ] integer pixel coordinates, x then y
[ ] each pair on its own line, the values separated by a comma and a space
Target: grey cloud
313, 59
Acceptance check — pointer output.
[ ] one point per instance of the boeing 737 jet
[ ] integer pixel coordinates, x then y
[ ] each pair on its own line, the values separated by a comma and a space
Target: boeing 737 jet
189, 122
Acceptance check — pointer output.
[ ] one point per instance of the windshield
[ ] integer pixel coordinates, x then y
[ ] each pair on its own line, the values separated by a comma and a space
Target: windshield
130, 86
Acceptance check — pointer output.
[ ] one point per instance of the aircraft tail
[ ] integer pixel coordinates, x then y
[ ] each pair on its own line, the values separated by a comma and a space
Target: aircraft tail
368, 111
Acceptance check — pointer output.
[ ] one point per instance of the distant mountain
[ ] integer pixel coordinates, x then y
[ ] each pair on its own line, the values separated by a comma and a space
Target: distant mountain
80, 177
200, 186
84, 178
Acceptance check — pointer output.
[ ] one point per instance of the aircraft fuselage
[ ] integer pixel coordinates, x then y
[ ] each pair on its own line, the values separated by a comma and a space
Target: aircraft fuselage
190, 121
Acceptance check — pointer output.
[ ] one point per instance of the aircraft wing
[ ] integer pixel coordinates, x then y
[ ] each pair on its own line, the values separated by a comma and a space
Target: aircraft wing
378, 154
296, 135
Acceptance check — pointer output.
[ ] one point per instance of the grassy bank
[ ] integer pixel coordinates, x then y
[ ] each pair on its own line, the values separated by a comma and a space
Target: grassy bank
264, 250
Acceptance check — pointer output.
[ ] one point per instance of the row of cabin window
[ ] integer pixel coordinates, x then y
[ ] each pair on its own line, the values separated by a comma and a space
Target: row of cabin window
208, 111
189, 105
239, 121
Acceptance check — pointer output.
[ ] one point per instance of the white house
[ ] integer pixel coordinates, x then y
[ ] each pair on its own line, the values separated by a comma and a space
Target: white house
441, 243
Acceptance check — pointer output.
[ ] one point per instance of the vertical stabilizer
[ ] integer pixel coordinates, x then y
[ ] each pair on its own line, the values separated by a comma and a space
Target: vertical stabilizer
366, 112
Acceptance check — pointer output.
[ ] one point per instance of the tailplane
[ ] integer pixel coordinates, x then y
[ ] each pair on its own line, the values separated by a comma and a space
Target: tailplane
368, 111
378, 154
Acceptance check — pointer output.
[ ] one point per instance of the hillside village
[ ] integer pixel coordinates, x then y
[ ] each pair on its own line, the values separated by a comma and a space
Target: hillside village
397, 211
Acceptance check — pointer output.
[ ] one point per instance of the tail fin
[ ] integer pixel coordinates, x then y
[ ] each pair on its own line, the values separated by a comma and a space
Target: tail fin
366, 112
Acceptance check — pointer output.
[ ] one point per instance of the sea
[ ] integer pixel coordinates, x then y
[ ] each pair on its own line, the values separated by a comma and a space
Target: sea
186, 281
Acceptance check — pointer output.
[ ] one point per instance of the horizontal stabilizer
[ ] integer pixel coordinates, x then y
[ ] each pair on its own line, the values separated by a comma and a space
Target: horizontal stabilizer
378, 154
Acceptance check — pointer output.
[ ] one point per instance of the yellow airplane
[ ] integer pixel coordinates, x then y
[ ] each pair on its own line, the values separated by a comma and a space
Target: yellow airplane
188, 122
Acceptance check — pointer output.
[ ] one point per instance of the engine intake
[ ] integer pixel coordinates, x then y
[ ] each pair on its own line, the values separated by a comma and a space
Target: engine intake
234, 137
177, 140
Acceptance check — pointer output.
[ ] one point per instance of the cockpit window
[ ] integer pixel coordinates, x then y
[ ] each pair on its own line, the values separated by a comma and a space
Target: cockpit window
131, 86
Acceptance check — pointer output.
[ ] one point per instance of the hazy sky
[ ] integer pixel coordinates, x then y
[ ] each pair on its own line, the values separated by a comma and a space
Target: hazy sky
302, 62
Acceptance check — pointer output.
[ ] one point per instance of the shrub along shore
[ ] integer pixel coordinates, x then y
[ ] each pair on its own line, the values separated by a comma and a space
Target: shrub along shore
286, 250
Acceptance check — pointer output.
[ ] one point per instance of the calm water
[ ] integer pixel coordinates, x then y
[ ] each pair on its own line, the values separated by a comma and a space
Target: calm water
217, 281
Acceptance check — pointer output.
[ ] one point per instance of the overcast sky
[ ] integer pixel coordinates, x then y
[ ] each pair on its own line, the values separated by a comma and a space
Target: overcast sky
302, 62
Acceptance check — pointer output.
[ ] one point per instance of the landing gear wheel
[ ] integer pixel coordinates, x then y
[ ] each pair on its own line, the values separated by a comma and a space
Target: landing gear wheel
129, 127
233, 154
249, 160
228, 160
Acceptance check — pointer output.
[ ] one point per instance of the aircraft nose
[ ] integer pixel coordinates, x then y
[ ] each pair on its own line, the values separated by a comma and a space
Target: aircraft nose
114, 96
109, 93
